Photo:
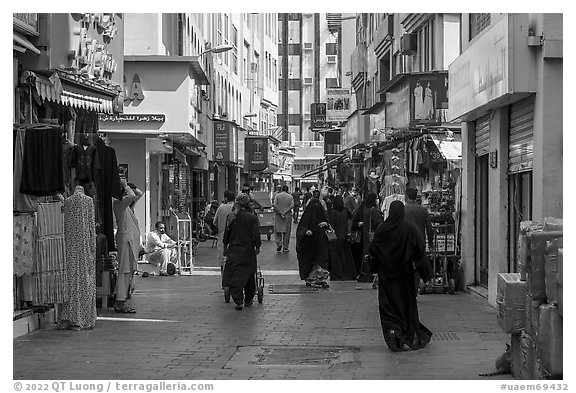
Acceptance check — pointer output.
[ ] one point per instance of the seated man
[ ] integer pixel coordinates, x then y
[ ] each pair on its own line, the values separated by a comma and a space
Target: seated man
160, 248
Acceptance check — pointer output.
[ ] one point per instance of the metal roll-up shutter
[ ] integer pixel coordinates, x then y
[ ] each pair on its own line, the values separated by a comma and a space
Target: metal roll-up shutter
521, 141
483, 135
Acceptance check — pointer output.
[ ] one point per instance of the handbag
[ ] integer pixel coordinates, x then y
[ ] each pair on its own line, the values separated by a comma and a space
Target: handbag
368, 264
331, 235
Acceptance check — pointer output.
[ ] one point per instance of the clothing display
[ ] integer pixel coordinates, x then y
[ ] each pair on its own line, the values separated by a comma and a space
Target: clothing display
42, 172
84, 159
108, 187
23, 244
388, 201
80, 236
21, 202
48, 281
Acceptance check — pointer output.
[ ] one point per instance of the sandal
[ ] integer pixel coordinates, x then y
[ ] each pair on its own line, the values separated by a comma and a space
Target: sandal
125, 310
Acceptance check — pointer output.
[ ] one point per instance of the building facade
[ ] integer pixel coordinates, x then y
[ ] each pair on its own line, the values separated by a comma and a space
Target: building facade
506, 88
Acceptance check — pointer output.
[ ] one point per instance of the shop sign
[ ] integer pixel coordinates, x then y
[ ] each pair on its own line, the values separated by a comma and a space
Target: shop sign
123, 171
337, 105
136, 118
428, 95
318, 114
222, 141
256, 153
481, 73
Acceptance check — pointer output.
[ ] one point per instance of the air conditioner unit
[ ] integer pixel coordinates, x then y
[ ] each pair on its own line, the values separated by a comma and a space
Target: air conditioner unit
308, 81
253, 68
308, 46
331, 59
408, 43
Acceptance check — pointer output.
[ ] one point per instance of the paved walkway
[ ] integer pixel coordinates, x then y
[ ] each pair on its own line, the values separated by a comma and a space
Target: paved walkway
185, 330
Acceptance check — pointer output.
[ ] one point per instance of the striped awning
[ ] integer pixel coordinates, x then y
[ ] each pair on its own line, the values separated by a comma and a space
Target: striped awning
57, 90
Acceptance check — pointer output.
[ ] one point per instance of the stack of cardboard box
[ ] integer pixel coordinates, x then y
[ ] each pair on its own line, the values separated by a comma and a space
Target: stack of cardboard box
530, 302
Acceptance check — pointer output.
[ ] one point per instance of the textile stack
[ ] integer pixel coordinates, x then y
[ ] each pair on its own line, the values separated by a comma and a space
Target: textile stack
530, 303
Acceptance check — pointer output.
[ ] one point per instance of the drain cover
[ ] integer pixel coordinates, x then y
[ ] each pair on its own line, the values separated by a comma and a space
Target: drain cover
444, 336
274, 356
287, 289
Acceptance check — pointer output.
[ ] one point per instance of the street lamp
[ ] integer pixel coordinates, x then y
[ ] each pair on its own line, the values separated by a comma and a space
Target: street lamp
217, 49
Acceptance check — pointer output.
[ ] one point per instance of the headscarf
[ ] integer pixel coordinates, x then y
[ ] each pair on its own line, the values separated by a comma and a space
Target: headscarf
367, 203
338, 203
396, 243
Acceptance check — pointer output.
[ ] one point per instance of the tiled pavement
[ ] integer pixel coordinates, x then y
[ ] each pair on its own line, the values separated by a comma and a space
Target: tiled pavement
185, 330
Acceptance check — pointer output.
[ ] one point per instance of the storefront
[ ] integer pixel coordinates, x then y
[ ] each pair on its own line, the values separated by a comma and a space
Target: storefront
512, 153
57, 147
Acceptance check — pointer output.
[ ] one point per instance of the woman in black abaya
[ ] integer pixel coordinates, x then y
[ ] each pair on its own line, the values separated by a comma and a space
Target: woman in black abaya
312, 245
396, 244
341, 261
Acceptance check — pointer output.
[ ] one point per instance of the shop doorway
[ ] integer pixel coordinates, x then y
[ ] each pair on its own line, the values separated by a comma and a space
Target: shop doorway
520, 202
481, 221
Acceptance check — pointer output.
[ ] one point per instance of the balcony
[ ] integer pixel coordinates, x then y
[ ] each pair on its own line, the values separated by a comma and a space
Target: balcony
26, 23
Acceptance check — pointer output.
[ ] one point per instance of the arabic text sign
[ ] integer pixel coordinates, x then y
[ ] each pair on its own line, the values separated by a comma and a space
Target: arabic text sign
137, 118
480, 74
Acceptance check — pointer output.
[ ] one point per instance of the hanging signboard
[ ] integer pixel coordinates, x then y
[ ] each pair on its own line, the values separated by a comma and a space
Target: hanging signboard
428, 96
337, 105
318, 114
222, 141
256, 153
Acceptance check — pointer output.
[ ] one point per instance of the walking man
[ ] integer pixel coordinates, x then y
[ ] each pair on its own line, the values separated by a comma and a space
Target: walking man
220, 220
419, 217
297, 194
283, 205
349, 201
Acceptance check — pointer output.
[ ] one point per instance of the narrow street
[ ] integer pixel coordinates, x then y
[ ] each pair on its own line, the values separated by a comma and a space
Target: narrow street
183, 330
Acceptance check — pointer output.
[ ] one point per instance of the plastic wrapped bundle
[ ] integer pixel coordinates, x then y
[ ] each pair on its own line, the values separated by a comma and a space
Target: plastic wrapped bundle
549, 340
560, 281
531, 314
527, 356
510, 301
553, 224
536, 273
523, 254
551, 270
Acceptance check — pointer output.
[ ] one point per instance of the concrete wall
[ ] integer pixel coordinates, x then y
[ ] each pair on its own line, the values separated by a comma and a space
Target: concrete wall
142, 34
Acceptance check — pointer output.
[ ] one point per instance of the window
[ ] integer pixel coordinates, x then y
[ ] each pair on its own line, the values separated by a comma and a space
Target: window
226, 37
424, 57
331, 49
478, 22
245, 63
235, 50
332, 83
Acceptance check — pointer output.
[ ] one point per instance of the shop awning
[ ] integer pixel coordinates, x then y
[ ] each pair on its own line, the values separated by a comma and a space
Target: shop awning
21, 43
58, 90
325, 166
450, 150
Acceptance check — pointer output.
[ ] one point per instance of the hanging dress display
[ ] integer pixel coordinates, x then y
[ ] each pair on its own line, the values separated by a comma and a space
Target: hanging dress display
80, 234
48, 283
20, 202
23, 244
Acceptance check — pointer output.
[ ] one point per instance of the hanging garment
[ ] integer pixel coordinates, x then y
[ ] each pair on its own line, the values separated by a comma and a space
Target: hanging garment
67, 147
23, 244
42, 161
80, 235
388, 201
48, 279
85, 160
20, 202
108, 187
